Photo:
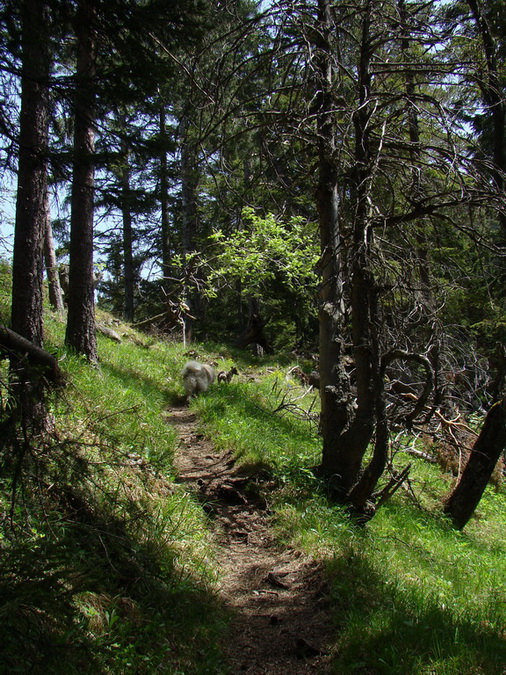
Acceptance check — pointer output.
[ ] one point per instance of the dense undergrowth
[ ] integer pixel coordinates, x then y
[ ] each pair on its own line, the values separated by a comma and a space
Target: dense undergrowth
106, 564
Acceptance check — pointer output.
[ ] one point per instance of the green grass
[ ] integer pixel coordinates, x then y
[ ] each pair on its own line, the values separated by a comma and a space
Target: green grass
417, 597
411, 594
242, 416
106, 564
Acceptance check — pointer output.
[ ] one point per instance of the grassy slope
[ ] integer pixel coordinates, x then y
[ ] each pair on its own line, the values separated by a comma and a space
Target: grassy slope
106, 565
411, 594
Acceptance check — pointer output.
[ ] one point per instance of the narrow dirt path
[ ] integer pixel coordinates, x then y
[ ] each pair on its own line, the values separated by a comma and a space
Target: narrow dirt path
282, 624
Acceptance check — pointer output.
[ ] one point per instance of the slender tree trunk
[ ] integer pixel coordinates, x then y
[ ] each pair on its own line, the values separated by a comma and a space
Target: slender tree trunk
53, 277
81, 330
27, 272
172, 312
489, 446
416, 193
128, 261
334, 385
189, 184
492, 92
164, 193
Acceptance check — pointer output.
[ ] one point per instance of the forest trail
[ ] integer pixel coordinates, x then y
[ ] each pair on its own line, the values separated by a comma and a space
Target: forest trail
281, 620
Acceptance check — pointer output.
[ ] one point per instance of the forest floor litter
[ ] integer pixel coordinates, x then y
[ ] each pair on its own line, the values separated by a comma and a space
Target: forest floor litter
281, 620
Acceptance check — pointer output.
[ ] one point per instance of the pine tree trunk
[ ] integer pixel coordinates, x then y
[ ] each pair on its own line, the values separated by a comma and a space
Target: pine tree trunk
333, 380
164, 194
492, 93
32, 175
128, 261
489, 446
81, 330
27, 272
53, 277
189, 217
172, 311
346, 435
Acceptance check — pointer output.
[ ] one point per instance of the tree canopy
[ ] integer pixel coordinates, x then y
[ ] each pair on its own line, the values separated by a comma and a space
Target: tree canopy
318, 176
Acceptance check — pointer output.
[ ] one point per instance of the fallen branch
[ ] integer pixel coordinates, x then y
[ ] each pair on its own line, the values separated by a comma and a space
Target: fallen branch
150, 321
419, 453
108, 332
392, 486
401, 355
13, 344
455, 423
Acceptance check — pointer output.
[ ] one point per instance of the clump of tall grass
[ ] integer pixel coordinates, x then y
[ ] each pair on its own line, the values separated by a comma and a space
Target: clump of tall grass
254, 416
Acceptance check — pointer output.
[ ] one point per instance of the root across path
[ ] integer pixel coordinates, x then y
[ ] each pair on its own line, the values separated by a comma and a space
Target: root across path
281, 623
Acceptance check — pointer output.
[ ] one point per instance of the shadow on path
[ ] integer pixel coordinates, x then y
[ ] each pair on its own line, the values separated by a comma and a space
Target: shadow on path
281, 620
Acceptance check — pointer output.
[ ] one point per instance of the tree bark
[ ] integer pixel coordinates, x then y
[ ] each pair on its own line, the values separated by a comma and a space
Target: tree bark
414, 152
346, 436
128, 261
27, 272
189, 216
81, 333
30, 226
53, 277
164, 196
493, 96
334, 383
486, 451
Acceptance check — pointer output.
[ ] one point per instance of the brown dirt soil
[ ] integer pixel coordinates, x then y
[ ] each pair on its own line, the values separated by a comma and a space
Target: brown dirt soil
281, 619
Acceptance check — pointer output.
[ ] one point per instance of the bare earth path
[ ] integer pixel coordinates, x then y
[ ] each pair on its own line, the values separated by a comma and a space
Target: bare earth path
282, 624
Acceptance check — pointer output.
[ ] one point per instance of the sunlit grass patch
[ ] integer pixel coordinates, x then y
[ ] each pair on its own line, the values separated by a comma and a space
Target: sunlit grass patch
411, 595
243, 416
120, 405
